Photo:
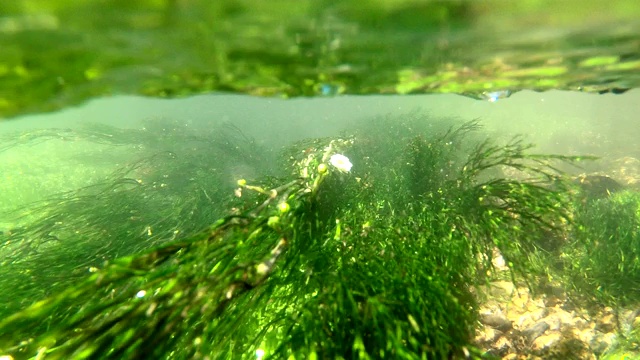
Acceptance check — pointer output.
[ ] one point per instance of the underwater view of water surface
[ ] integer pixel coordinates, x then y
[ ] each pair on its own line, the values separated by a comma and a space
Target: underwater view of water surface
188, 179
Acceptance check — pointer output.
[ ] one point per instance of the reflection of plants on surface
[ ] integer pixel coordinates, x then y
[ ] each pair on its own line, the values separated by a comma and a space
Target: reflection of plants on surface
374, 260
60, 54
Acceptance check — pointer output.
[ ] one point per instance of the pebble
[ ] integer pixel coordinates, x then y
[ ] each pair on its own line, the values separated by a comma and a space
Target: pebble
550, 326
496, 321
534, 331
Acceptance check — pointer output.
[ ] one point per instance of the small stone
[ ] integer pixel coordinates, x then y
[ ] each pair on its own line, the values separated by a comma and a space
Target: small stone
501, 289
536, 303
606, 323
496, 321
572, 348
554, 322
531, 317
600, 342
587, 335
628, 319
556, 290
581, 323
560, 318
520, 299
551, 300
545, 342
498, 261
488, 335
514, 314
503, 345
535, 331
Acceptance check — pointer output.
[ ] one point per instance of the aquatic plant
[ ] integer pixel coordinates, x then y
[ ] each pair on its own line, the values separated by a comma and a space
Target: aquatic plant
378, 259
599, 261
176, 183
603, 258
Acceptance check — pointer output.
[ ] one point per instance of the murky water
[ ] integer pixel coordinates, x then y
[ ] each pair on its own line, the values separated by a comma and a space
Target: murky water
557, 122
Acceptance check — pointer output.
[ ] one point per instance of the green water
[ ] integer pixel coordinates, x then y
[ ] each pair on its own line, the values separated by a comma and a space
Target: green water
228, 225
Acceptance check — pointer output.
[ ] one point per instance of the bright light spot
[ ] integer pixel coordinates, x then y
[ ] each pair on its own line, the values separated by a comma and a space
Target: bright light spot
262, 269
341, 162
6, 357
141, 294
496, 95
259, 354
283, 207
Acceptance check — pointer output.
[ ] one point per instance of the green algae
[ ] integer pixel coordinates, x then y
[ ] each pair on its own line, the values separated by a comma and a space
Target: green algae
375, 261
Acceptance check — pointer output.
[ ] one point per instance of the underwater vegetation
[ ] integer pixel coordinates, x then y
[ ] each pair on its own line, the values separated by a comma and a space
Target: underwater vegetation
599, 261
604, 254
602, 259
373, 244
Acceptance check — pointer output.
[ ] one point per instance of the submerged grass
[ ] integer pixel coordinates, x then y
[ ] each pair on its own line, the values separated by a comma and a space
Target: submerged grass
600, 264
603, 257
171, 188
379, 261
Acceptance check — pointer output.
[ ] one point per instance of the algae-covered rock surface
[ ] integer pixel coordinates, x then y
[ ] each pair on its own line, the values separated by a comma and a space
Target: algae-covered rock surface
57, 53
